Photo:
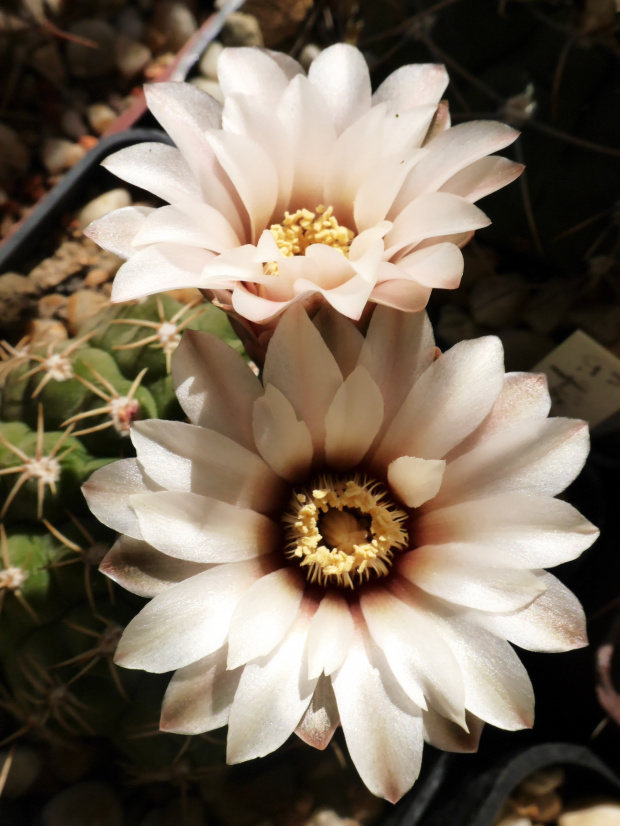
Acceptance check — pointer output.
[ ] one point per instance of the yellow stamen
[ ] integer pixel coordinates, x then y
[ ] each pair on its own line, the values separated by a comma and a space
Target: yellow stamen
343, 528
302, 228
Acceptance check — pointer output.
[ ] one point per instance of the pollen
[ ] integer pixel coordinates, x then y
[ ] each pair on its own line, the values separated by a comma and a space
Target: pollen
343, 531
302, 228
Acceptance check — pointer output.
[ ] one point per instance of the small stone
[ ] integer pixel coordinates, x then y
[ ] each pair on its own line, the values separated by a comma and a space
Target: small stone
68, 260
17, 293
92, 61
47, 60
46, 331
96, 277
100, 206
130, 23
514, 820
278, 19
242, 30
82, 305
24, 770
543, 781
52, 305
100, 117
602, 813
175, 22
547, 308
328, 817
208, 61
308, 53
72, 124
59, 154
211, 87
14, 157
131, 56
85, 804
543, 808
497, 300
107, 261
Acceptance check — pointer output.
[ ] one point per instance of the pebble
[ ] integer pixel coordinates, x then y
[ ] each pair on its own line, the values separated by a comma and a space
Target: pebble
497, 300
47, 60
82, 305
14, 157
308, 53
52, 305
85, 804
68, 260
96, 277
72, 124
604, 813
543, 781
131, 56
175, 22
242, 30
59, 154
211, 87
130, 23
17, 294
514, 820
208, 61
100, 206
46, 331
100, 116
25, 768
86, 61
328, 817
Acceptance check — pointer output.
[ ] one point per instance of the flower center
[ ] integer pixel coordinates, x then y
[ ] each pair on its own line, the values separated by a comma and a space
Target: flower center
302, 228
341, 528
46, 468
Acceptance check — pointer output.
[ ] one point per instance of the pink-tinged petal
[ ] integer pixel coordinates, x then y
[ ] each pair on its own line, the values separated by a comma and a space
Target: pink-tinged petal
439, 124
367, 240
353, 420
439, 266
431, 215
350, 160
414, 480
450, 573
201, 529
307, 123
241, 263
386, 744
330, 635
116, 230
406, 130
157, 168
258, 309
380, 187
245, 115
447, 402
199, 696
534, 531
299, 364
189, 620
419, 658
396, 351
349, 298
401, 294
215, 386
321, 718
283, 441
538, 458
413, 85
343, 339
264, 615
142, 569
483, 177
108, 490
252, 72
272, 697
194, 225
159, 268
447, 736
252, 172
184, 457
524, 397
287, 64
449, 152
341, 75
554, 622
332, 267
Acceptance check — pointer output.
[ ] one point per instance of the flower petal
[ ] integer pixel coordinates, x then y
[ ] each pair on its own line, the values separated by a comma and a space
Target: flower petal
447, 402
184, 457
283, 441
385, 745
321, 718
536, 531
380, 187
158, 168
300, 365
116, 230
142, 569
446, 735
353, 420
403, 294
439, 266
252, 72
330, 635
272, 697
415, 481
264, 615
194, 225
554, 622
343, 339
413, 85
189, 620
199, 696
200, 529
341, 75
215, 386
483, 177
108, 490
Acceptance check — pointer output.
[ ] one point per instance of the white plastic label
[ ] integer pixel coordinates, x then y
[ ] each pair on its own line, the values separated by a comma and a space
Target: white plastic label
584, 379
